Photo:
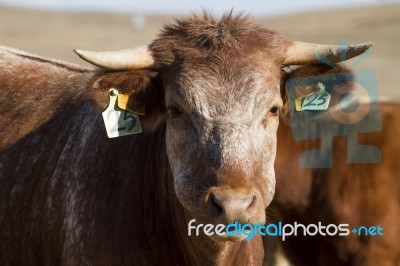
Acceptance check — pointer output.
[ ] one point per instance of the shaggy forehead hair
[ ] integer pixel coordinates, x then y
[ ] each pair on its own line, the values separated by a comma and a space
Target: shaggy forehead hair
221, 63
203, 36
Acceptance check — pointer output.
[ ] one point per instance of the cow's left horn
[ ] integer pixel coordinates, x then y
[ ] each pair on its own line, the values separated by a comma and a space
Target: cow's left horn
136, 58
300, 53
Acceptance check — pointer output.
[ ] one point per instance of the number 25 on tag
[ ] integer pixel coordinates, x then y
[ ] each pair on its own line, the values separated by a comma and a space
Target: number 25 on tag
316, 101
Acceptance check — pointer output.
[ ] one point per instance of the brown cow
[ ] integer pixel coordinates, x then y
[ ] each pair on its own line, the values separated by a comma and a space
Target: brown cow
358, 194
361, 194
212, 94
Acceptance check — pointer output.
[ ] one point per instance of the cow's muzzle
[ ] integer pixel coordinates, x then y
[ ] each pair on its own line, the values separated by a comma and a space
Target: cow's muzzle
227, 205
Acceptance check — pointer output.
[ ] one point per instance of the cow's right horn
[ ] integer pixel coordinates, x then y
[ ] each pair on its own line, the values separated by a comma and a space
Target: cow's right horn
136, 58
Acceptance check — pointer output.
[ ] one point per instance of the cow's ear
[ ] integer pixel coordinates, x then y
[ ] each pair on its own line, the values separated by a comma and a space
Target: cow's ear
142, 86
303, 80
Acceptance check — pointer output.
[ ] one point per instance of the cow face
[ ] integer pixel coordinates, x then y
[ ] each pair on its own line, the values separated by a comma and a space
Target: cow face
222, 119
220, 80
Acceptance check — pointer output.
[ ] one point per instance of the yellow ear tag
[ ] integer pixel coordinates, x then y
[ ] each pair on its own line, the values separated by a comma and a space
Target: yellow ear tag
119, 122
130, 104
298, 103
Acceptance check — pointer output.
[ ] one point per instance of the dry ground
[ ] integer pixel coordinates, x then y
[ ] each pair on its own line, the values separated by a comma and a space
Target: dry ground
55, 34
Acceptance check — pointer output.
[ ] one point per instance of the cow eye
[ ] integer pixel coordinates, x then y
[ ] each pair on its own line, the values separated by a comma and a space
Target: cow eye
274, 110
174, 111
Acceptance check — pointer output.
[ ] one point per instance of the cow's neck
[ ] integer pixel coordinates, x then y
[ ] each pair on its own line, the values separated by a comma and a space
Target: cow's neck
209, 252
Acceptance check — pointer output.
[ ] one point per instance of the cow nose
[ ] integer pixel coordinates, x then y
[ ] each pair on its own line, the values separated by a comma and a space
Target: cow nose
231, 204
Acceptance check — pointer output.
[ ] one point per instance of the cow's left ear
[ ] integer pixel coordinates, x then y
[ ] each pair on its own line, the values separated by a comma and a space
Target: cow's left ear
306, 79
303, 80
143, 88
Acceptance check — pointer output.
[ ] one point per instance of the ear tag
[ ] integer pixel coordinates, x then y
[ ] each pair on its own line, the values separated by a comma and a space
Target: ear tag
298, 103
316, 101
119, 122
130, 104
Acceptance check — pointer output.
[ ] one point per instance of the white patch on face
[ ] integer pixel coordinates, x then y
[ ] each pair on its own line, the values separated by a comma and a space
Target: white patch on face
247, 146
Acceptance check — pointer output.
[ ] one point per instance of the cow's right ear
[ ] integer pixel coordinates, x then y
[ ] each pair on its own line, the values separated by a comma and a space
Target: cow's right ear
130, 72
142, 86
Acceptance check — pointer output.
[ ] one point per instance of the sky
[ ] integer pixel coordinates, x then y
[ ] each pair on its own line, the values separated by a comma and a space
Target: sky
254, 7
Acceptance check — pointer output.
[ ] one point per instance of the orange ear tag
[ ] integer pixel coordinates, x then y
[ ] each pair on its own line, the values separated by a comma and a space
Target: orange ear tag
130, 104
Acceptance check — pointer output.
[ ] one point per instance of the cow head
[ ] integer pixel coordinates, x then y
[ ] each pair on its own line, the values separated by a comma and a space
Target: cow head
221, 97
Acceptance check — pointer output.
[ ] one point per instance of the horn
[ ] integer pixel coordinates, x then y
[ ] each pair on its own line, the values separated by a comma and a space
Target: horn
136, 58
301, 53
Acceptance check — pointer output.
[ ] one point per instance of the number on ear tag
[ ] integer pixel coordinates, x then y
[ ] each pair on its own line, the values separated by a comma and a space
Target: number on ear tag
316, 101
119, 122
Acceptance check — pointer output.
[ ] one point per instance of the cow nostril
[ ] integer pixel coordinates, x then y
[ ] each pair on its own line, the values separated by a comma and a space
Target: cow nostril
215, 205
231, 205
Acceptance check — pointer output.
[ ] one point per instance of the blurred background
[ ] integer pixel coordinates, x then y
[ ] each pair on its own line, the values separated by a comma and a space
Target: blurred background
54, 27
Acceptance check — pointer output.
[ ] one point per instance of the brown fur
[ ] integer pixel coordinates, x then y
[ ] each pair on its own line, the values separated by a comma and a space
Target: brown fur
28, 102
71, 196
80, 198
356, 194
204, 36
118, 193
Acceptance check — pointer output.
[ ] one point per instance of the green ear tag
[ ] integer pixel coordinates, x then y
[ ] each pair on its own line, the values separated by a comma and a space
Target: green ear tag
317, 101
119, 122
